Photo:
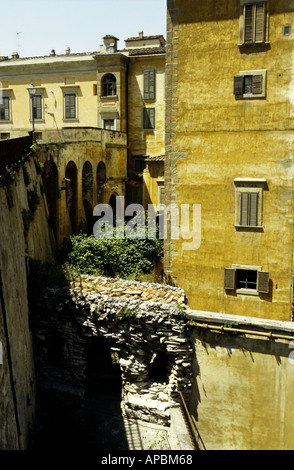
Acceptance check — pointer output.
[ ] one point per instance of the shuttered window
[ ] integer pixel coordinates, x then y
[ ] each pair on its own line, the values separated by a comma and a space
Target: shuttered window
248, 85
149, 118
249, 209
37, 107
5, 109
149, 84
70, 111
250, 280
254, 23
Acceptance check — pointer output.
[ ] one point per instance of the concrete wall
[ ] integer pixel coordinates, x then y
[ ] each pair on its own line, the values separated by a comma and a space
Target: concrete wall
17, 375
242, 391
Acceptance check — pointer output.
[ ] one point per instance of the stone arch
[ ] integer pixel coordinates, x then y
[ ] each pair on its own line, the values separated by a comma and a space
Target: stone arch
50, 180
108, 85
87, 195
101, 179
71, 181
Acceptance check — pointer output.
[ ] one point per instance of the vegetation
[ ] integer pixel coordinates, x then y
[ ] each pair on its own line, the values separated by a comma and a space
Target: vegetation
114, 257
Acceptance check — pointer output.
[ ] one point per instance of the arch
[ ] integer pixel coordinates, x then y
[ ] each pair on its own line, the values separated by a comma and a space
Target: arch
87, 195
50, 180
71, 194
108, 83
101, 179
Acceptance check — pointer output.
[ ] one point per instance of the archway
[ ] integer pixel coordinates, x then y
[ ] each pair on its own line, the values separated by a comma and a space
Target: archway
50, 180
87, 195
101, 179
71, 195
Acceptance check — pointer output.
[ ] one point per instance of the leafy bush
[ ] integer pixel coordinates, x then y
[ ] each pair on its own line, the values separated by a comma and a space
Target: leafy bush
114, 257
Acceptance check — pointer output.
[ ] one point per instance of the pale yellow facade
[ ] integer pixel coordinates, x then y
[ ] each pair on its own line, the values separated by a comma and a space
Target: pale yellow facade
101, 95
221, 144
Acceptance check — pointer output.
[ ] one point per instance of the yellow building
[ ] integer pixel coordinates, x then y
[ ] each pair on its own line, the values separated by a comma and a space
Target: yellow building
121, 92
229, 149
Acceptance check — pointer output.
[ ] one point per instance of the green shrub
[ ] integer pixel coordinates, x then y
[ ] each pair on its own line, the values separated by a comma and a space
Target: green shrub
114, 257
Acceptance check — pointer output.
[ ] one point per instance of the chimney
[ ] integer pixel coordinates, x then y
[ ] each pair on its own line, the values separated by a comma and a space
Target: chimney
67, 50
15, 55
141, 34
52, 52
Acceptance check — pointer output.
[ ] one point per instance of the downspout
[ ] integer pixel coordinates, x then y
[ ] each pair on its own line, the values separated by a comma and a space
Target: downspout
10, 367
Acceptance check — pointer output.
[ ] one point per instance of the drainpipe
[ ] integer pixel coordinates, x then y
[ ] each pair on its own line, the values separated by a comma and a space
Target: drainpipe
10, 367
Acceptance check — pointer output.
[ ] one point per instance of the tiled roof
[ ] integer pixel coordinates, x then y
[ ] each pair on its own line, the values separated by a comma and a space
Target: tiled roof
157, 158
146, 51
145, 37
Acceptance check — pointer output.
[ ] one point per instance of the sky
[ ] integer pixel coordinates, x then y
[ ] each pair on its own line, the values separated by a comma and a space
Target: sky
35, 27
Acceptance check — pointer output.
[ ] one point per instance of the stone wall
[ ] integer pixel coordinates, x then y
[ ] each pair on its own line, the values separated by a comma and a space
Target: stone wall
17, 245
145, 327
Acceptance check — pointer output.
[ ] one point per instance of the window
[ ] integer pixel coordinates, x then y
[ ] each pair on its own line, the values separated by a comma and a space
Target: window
149, 84
4, 135
160, 185
108, 124
250, 84
109, 85
70, 108
5, 109
37, 111
254, 22
246, 280
148, 118
249, 202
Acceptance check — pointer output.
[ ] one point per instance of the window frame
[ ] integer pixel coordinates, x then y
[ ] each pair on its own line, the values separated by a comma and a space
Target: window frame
104, 84
149, 84
258, 84
39, 108
8, 119
242, 23
149, 126
249, 186
70, 93
262, 280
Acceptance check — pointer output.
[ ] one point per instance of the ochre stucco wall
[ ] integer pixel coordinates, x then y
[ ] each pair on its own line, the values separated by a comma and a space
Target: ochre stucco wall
214, 138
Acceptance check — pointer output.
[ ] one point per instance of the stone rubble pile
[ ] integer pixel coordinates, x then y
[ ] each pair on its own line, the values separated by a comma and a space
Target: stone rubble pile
138, 331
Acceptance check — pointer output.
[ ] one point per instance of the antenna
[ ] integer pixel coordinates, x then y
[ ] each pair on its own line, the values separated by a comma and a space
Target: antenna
18, 42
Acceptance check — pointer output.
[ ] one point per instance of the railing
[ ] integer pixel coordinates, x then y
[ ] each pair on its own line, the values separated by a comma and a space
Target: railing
192, 429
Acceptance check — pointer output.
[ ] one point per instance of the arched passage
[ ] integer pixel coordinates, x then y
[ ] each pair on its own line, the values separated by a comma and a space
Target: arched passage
71, 195
101, 179
50, 180
87, 194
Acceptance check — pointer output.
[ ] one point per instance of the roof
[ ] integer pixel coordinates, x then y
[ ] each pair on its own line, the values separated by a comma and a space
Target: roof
158, 36
146, 51
156, 158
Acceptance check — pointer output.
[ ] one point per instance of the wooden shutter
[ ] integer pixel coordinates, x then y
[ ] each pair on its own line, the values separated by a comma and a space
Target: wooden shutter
149, 118
70, 106
230, 278
244, 208
149, 84
259, 22
37, 107
238, 85
253, 210
263, 282
4, 109
256, 84
248, 23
